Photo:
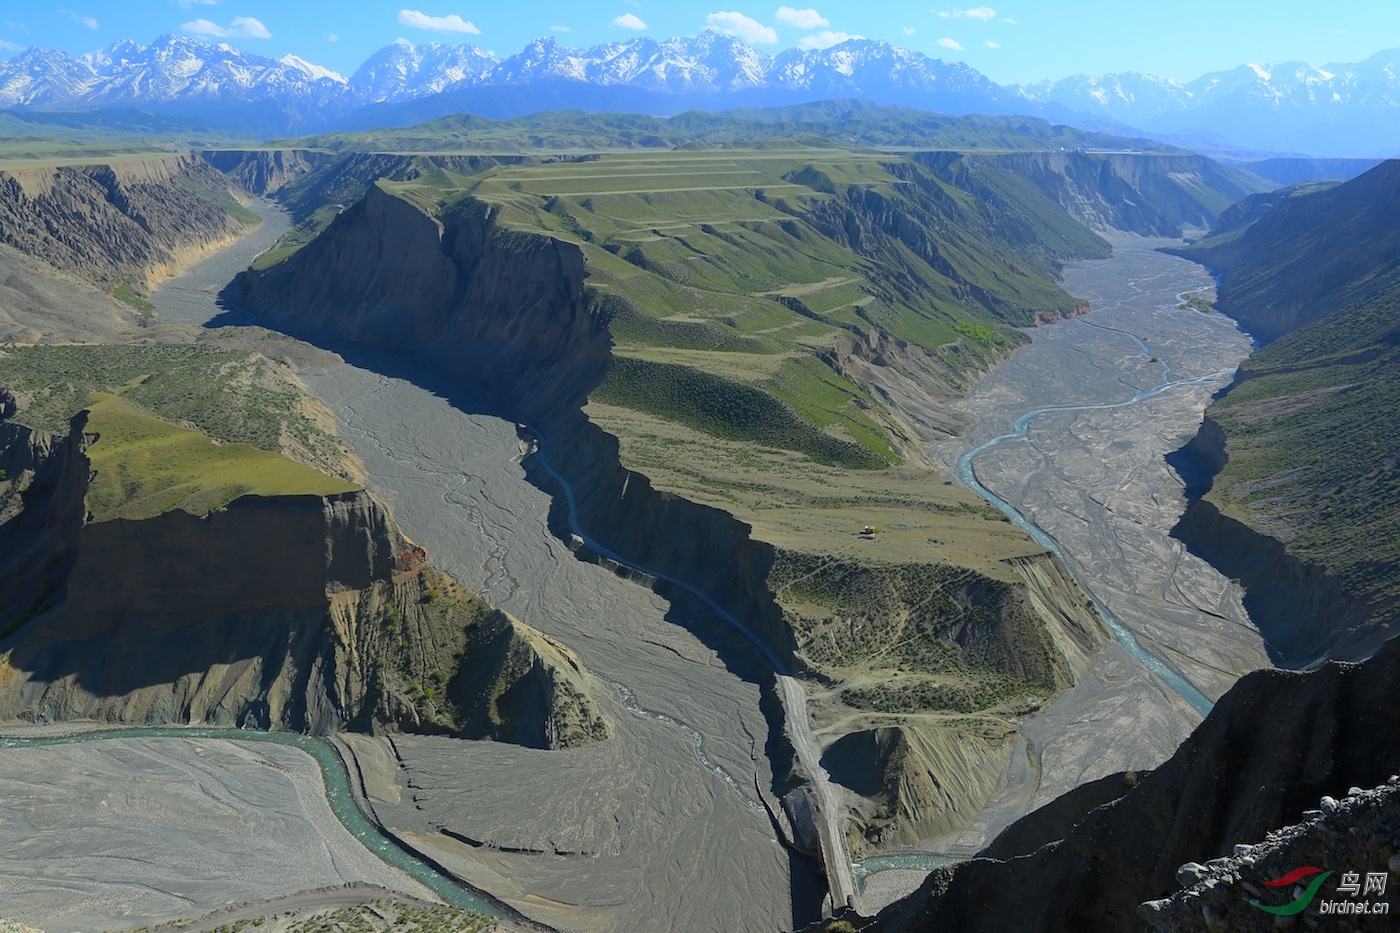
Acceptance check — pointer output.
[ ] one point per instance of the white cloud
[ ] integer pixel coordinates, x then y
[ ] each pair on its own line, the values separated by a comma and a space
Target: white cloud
562, 29
87, 21
825, 39
977, 12
953, 44
802, 19
186, 4
993, 45
737, 24
1010, 22
7, 46
629, 21
240, 27
332, 37
450, 23
908, 30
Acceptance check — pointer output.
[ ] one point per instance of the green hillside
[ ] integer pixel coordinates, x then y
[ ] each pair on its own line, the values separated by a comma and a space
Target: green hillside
1309, 429
731, 278
1317, 250
231, 396
1314, 446
144, 466
837, 123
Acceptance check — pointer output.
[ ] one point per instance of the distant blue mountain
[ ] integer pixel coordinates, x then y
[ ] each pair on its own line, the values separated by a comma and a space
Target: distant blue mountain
1338, 110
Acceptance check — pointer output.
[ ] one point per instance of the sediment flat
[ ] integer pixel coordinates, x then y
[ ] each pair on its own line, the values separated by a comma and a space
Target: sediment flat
669, 830
129, 832
1098, 483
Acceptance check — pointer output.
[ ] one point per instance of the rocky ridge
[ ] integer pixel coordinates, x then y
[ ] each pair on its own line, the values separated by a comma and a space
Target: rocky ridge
1358, 833
1271, 747
123, 223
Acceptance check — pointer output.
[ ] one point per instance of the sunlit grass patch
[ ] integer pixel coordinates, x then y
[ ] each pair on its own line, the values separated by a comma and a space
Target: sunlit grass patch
144, 466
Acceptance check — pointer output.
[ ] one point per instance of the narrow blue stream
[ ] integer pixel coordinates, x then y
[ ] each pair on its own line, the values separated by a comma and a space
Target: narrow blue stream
968, 474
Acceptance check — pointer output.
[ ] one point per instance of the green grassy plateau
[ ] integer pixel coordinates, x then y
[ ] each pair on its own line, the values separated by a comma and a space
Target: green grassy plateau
232, 396
145, 466
745, 287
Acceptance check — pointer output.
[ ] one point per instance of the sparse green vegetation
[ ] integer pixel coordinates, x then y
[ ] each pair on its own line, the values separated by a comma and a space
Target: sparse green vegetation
725, 409
1314, 449
234, 397
124, 293
947, 637
239, 212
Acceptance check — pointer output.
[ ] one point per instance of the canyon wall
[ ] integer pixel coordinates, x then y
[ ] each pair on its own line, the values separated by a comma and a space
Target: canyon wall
311, 613
1146, 194
1273, 745
123, 222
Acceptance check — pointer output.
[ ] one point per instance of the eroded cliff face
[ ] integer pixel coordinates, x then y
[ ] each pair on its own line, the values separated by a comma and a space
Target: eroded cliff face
264, 171
1303, 611
124, 222
308, 612
503, 309
510, 313
1151, 195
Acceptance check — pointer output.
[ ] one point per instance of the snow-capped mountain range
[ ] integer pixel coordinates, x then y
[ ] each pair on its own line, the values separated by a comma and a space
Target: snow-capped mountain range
1340, 109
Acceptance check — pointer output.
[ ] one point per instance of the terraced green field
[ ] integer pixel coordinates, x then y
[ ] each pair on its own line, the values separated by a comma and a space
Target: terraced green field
736, 279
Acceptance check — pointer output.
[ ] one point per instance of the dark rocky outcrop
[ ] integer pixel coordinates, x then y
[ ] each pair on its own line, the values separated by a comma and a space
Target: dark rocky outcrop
1272, 746
1358, 833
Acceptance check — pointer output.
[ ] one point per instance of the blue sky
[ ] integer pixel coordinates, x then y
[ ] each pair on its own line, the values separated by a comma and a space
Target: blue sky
1015, 41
